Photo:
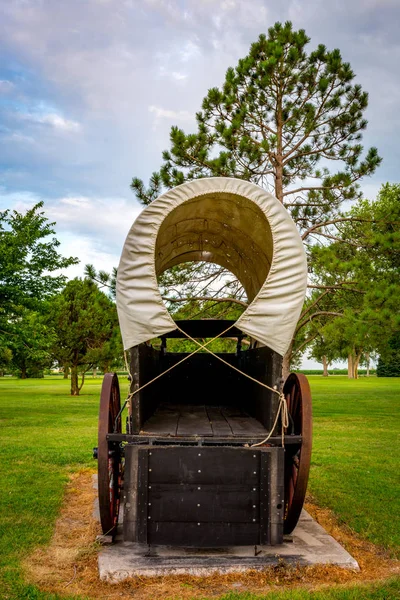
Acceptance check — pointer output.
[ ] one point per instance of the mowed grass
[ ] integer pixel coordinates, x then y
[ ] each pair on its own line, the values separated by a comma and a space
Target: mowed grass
356, 449
45, 434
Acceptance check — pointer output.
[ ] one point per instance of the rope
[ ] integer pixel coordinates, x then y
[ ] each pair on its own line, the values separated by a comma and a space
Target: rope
282, 408
283, 411
201, 346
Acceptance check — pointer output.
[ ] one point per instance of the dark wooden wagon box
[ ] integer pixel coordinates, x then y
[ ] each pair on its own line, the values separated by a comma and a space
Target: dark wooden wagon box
192, 472
203, 496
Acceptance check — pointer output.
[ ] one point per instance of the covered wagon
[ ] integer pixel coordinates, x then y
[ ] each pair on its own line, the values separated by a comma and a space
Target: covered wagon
216, 448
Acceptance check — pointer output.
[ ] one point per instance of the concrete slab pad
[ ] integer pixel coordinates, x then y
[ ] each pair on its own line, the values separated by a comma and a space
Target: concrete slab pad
309, 544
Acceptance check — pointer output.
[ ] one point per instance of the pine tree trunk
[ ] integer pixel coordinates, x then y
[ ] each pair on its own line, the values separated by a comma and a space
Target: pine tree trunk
74, 381
66, 372
350, 368
279, 183
1, 373
325, 365
23, 372
94, 372
279, 149
367, 359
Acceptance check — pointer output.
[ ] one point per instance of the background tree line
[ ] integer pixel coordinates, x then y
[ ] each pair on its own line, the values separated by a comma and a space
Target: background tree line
46, 321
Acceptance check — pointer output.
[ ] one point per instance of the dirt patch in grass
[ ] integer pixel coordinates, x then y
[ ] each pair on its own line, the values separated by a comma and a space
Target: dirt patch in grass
68, 565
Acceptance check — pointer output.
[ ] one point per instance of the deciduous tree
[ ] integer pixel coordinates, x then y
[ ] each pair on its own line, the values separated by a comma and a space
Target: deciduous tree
84, 319
366, 254
29, 258
30, 342
29, 274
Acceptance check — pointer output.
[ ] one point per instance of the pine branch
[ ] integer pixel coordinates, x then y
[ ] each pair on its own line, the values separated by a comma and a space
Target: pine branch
332, 222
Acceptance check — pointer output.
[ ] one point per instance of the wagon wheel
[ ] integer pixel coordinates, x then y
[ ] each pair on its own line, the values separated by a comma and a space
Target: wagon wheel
109, 455
297, 464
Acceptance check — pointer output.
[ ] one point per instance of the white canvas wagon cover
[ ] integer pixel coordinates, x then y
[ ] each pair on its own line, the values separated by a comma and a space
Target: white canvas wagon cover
230, 222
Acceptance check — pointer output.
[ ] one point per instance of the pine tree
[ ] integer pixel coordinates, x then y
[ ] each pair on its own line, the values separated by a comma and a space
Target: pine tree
282, 119
286, 119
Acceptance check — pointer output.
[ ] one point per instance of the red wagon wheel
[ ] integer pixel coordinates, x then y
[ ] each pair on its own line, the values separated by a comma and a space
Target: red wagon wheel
109, 455
297, 462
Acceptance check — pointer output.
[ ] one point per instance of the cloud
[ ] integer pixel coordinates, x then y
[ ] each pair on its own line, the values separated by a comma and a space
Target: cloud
105, 220
189, 51
91, 228
178, 76
18, 138
88, 251
54, 121
5, 86
163, 113
59, 122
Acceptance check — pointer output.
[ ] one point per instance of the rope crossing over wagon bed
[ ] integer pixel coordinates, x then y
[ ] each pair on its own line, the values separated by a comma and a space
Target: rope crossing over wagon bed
252, 480
282, 409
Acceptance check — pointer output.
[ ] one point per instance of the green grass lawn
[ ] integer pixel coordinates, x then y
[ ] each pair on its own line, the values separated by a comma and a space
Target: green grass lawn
45, 434
355, 463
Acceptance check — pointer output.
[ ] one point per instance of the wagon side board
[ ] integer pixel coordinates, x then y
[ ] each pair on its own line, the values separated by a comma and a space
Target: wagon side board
203, 496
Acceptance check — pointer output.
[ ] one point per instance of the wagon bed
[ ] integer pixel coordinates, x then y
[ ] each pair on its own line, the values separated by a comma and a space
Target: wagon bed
185, 420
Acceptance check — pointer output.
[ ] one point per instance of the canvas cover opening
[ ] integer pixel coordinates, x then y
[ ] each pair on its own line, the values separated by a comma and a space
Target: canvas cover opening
233, 223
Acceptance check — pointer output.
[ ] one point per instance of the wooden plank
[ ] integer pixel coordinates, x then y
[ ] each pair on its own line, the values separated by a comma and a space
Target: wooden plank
203, 503
135, 405
264, 497
290, 440
203, 535
130, 493
193, 420
213, 465
276, 495
142, 495
264, 365
231, 488
185, 420
242, 424
219, 425
204, 328
163, 422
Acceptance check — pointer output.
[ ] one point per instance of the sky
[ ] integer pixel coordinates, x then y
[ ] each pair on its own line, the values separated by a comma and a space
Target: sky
89, 90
